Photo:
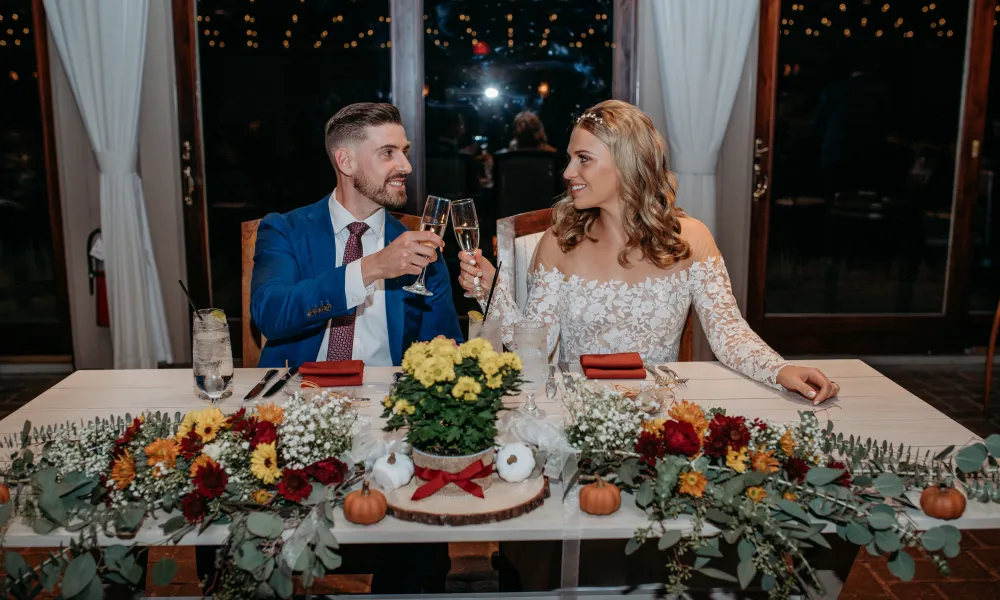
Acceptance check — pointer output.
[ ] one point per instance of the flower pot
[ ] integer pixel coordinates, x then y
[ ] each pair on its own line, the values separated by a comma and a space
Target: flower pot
453, 464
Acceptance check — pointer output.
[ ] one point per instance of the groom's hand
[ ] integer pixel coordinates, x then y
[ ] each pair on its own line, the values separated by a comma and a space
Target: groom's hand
406, 255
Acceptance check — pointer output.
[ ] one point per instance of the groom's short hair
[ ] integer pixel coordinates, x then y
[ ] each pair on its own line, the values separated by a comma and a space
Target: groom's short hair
351, 122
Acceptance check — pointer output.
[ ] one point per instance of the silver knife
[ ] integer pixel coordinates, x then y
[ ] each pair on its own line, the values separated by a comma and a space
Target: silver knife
281, 382
257, 389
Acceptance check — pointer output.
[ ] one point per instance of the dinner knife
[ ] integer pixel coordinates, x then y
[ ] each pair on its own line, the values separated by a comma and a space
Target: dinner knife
281, 382
257, 389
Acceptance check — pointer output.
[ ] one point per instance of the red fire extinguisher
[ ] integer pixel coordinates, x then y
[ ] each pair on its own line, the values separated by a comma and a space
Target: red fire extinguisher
97, 279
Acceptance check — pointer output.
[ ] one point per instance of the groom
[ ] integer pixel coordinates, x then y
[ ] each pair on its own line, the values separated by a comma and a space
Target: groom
328, 277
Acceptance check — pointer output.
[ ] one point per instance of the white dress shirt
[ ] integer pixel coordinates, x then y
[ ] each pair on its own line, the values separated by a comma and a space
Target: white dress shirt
371, 330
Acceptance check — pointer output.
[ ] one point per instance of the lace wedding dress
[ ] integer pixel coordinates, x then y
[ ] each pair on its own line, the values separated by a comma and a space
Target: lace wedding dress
587, 316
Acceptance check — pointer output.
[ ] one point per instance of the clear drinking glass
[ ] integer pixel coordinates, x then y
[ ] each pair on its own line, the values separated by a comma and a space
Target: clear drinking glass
466, 224
435, 219
489, 330
531, 345
212, 355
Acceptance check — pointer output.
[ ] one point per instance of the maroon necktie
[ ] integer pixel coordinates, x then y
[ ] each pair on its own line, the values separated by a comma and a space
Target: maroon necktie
341, 345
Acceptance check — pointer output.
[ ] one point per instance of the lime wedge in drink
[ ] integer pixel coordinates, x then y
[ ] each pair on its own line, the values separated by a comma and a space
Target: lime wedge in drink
218, 315
475, 315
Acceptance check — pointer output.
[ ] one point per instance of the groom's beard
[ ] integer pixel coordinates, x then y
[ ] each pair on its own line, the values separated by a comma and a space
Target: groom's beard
385, 195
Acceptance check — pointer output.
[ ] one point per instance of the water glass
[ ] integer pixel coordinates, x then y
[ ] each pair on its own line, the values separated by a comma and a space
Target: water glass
489, 330
531, 345
212, 355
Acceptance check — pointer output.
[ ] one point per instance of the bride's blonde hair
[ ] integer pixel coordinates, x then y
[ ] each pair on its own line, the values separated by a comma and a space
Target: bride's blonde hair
645, 186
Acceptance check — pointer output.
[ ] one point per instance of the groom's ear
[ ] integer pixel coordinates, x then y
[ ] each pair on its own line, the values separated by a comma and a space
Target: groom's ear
345, 161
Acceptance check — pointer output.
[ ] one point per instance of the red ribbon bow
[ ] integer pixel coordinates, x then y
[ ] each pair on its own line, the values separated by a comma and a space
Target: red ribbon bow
438, 479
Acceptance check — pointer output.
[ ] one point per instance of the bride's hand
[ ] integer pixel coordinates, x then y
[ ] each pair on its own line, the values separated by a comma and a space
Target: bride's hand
473, 266
810, 382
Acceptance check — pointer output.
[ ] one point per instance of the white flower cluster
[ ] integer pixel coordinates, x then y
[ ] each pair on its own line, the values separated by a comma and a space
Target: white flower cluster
83, 449
807, 435
317, 428
603, 419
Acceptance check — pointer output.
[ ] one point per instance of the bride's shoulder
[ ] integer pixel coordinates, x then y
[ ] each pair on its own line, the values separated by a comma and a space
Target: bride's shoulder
698, 237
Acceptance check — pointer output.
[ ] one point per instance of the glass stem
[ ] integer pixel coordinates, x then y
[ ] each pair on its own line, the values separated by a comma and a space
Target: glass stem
420, 280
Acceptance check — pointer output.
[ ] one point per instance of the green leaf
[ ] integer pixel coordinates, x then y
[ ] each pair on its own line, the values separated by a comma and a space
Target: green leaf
881, 520
54, 510
710, 549
248, 557
701, 561
304, 561
5, 511
858, 534
993, 444
820, 507
130, 519
887, 541
746, 572
901, 565
862, 481
113, 554
164, 571
734, 486
265, 525
717, 574
819, 540
971, 458
745, 550
50, 575
93, 591
78, 575
14, 564
944, 453
632, 545
330, 560
793, 509
767, 581
889, 485
326, 537
936, 538
818, 476
628, 471
669, 539
732, 535
952, 549
42, 526
718, 516
317, 495
281, 583
174, 524
644, 495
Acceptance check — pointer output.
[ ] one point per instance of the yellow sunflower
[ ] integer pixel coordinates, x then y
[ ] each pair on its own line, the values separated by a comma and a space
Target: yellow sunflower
264, 463
271, 412
737, 459
187, 424
209, 423
123, 470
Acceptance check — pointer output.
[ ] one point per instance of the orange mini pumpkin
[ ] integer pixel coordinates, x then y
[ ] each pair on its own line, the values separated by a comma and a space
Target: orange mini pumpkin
4, 494
365, 506
942, 502
600, 498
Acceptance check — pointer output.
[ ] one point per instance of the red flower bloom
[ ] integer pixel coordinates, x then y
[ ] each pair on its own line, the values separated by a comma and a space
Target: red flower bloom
239, 415
843, 480
244, 426
294, 485
265, 433
191, 445
130, 432
725, 432
328, 471
796, 468
194, 506
760, 425
211, 480
649, 446
679, 437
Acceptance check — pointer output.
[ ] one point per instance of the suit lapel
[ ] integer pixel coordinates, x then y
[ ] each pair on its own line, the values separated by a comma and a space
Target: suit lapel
394, 296
320, 236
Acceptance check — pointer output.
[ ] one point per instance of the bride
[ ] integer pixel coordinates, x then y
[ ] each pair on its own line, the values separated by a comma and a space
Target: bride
621, 265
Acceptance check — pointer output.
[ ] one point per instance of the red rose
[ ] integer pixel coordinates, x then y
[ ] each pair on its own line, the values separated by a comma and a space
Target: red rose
294, 485
194, 506
649, 447
725, 432
796, 468
211, 480
328, 471
191, 445
845, 478
265, 433
679, 437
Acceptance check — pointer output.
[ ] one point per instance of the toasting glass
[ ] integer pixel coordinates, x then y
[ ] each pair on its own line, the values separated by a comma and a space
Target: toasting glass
466, 224
435, 219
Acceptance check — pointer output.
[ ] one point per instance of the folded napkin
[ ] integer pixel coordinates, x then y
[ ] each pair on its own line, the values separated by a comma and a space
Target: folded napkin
336, 373
627, 365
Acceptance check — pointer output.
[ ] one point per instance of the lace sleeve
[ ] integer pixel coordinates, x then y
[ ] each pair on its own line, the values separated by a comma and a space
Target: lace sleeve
541, 305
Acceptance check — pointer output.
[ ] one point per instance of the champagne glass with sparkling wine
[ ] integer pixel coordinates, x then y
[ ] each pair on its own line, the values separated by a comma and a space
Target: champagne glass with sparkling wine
435, 220
466, 224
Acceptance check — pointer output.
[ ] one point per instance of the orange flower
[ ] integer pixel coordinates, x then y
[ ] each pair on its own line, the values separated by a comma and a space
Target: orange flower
262, 496
271, 412
162, 451
689, 412
764, 462
203, 460
693, 483
756, 493
653, 426
790, 496
787, 443
123, 470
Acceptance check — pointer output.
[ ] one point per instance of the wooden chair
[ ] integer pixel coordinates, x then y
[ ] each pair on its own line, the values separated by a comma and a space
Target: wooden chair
990, 353
514, 246
253, 341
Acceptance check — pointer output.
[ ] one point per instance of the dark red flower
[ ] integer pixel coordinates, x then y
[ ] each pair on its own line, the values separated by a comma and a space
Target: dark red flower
679, 437
796, 468
211, 480
194, 506
265, 433
294, 485
239, 415
725, 432
245, 426
328, 471
649, 447
845, 478
191, 445
760, 425
130, 432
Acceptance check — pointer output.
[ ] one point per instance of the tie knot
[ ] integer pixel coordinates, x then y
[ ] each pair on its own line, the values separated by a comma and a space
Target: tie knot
357, 228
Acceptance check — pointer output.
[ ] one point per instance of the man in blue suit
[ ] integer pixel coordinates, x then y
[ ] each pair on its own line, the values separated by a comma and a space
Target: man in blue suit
328, 277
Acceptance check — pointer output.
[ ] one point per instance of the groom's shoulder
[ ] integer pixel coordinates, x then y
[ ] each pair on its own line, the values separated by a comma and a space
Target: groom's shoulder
294, 219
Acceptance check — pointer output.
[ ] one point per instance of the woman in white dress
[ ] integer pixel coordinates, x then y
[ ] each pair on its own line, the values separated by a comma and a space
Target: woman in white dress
621, 265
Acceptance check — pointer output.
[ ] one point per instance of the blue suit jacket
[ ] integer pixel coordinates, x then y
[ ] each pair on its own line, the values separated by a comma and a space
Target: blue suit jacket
296, 289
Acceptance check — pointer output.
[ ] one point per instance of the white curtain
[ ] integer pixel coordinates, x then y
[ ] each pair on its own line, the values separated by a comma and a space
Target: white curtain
102, 44
702, 46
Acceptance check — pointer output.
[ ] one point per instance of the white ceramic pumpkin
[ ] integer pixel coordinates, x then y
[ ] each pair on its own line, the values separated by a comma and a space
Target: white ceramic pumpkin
392, 471
515, 462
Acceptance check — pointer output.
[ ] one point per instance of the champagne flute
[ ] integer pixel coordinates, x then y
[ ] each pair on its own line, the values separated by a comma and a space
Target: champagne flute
466, 224
435, 220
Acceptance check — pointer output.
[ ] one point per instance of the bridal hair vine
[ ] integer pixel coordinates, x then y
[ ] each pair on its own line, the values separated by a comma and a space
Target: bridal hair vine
591, 116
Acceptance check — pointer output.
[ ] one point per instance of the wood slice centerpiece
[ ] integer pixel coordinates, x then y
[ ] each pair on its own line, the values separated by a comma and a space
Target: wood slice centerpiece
503, 501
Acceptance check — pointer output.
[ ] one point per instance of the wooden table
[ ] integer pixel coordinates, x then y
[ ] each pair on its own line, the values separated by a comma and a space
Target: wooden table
869, 405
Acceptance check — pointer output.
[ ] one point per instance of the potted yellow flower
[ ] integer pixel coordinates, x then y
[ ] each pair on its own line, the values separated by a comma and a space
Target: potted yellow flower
448, 399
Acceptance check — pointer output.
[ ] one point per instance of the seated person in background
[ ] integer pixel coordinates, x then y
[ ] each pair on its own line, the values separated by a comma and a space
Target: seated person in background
328, 277
529, 134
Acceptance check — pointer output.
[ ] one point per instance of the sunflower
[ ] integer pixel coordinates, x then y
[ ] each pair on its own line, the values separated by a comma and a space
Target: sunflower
271, 413
756, 493
203, 460
162, 451
737, 459
692, 483
264, 463
787, 443
689, 412
262, 496
209, 423
123, 470
764, 462
187, 424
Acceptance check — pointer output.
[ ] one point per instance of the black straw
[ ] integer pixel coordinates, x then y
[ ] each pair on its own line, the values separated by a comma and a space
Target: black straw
190, 301
493, 285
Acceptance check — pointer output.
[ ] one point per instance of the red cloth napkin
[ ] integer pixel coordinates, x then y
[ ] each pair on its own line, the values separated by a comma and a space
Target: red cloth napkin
627, 365
336, 373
